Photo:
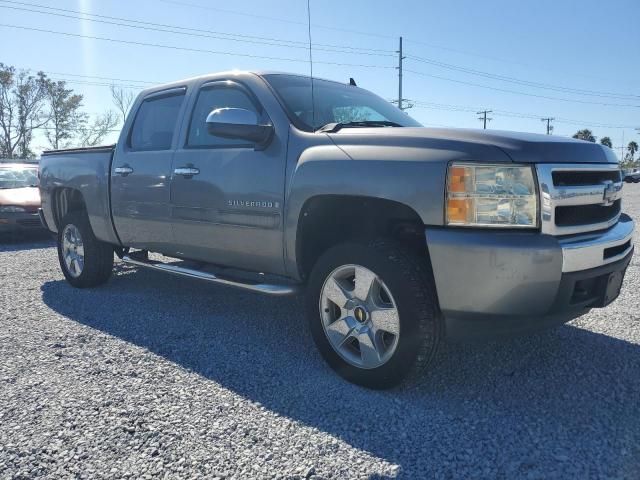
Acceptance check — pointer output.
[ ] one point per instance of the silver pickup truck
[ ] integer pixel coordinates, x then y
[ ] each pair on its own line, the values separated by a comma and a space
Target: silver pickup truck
399, 234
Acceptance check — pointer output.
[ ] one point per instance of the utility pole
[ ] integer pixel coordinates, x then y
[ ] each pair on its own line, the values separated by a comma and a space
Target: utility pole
549, 126
484, 117
400, 58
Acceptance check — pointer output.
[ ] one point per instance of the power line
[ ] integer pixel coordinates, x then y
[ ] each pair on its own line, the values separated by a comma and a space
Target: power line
175, 29
277, 19
529, 83
186, 49
507, 113
356, 32
515, 92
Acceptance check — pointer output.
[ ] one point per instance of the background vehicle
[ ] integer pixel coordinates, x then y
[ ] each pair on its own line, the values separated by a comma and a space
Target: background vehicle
19, 197
400, 234
631, 176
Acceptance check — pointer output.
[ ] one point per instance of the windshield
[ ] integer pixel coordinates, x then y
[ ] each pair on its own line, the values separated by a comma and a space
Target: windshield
18, 177
334, 103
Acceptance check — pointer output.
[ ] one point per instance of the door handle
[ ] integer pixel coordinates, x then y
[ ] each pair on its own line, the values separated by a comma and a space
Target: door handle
186, 172
124, 171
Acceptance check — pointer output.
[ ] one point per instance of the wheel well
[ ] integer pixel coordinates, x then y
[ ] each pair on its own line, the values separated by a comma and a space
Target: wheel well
66, 200
328, 220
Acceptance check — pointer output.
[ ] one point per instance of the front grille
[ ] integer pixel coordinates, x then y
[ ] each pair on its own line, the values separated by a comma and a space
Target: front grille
579, 198
577, 178
586, 214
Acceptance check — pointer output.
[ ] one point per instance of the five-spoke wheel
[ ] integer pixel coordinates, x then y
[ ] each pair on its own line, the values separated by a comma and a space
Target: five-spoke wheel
373, 312
359, 316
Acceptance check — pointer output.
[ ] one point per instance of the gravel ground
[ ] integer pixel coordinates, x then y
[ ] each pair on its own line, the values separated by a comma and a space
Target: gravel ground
158, 376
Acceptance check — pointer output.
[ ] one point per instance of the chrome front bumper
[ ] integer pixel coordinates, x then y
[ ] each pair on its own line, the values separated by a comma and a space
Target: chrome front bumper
598, 248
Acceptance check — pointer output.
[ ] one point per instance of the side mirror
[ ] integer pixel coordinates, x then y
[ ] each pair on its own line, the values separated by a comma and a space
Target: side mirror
240, 124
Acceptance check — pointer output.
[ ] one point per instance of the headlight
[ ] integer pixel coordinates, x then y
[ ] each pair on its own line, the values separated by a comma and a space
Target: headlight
11, 209
491, 196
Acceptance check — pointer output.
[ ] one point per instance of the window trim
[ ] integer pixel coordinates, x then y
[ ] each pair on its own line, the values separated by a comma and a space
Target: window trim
222, 84
159, 95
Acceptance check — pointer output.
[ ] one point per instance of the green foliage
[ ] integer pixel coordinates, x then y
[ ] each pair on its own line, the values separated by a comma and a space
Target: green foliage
65, 117
585, 134
606, 141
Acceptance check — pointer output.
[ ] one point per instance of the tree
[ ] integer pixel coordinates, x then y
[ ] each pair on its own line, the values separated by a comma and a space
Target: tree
21, 110
122, 99
632, 148
585, 134
606, 141
65, 117
90, 135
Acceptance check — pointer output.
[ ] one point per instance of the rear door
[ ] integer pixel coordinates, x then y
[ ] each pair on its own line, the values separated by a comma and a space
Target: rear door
141, 173
229, 212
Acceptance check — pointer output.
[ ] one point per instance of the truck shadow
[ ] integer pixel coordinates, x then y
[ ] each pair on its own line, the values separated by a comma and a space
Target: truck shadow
523, 405
30, 240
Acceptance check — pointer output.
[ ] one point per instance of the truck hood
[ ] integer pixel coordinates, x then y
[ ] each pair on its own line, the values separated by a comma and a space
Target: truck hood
27, 197
476, 144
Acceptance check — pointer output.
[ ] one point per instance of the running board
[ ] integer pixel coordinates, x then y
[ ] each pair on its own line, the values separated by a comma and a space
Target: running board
265, 288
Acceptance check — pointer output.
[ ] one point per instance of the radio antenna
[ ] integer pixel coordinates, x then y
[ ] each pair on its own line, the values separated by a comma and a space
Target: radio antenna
313, 103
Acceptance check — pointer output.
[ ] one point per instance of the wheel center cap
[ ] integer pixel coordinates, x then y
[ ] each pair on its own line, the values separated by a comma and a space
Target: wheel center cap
360, 314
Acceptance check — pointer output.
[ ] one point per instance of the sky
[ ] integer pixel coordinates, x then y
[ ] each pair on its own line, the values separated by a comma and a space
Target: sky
575, 61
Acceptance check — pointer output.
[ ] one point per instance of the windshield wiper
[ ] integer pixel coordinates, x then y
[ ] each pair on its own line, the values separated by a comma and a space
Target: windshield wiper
334, 127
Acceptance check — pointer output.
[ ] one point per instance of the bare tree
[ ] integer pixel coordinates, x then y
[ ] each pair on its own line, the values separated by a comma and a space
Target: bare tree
122, 99
21, 110
90, 135
65, 117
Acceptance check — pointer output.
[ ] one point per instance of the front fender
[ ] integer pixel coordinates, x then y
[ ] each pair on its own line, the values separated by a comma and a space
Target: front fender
327, 170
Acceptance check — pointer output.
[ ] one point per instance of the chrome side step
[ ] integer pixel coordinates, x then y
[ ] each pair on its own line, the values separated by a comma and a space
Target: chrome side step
265, 288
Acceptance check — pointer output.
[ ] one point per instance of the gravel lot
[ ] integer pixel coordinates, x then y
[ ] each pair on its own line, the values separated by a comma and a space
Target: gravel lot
153, 375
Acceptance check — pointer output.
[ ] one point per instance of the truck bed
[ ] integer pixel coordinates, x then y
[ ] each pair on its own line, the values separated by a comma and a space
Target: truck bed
86, 171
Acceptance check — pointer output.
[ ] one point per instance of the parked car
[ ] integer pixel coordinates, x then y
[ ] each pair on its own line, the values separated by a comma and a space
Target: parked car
19, 197
399, 234
631, 176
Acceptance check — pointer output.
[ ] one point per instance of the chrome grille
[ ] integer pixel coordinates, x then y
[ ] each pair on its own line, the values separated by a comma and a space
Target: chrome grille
579, 198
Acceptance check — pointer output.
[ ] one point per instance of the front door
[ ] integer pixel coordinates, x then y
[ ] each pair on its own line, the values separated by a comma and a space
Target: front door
141, 174
227, 198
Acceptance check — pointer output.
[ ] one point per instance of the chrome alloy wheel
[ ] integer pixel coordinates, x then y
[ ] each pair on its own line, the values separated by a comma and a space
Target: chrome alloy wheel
359, 316
73, 250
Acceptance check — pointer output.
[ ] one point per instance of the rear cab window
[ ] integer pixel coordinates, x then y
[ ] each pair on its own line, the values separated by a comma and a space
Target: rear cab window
155, 123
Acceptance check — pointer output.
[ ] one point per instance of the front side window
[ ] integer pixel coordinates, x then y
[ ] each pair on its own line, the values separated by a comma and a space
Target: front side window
155, 123
18, 177
209, 99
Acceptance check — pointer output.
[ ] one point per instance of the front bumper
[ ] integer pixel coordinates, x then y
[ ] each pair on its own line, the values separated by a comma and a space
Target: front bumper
496, 282
19, 221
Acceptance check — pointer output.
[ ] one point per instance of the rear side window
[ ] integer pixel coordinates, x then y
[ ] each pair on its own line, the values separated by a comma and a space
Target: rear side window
209, 99
155, 123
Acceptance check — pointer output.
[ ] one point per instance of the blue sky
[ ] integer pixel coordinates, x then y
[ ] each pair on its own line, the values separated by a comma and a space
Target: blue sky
585, 54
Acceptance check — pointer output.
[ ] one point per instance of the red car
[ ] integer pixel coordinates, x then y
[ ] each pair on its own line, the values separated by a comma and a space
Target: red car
19, 197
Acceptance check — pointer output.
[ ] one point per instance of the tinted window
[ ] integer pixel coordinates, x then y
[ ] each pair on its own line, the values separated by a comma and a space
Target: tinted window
334, 102
209, 99
155, 123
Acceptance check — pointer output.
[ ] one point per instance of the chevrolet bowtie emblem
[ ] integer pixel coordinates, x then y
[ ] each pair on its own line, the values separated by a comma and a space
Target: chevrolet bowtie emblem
610, 193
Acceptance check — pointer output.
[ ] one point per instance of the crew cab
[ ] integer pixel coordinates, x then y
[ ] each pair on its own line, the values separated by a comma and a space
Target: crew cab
397, 234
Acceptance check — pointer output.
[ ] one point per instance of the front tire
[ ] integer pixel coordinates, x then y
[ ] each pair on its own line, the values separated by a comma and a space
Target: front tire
373, 312
85, 261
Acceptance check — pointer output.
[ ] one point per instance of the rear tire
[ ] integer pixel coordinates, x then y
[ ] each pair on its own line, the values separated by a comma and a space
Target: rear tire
374, 347
85, 261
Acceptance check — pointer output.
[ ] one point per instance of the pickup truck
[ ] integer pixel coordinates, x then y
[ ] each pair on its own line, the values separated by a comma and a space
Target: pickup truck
399, 235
